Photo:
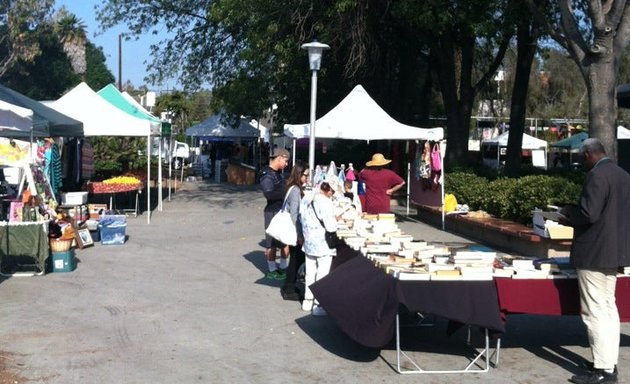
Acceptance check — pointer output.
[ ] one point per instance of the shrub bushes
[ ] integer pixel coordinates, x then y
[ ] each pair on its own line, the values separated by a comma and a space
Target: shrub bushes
512, 198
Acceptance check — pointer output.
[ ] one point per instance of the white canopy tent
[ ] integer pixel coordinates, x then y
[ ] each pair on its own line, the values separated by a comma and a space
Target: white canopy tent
623, 133
101, 118
359, 117
144, 111
16, 121
501, 141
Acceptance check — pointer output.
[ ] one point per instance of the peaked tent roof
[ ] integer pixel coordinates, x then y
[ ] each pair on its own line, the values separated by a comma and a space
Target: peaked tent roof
571, 143
216, 126
47, 121
623, 133
529, 142
139, 106
359, 117
100, 117
113, 95
574, 142
18, 122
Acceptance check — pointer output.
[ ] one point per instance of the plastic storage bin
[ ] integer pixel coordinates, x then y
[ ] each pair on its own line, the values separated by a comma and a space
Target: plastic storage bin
113, 229
74, 198
63, 261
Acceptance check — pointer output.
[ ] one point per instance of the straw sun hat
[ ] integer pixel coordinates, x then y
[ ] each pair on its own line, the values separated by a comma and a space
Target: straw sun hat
377, 160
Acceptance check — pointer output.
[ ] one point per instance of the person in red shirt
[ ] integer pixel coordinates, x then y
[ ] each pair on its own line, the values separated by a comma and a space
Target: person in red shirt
380, 184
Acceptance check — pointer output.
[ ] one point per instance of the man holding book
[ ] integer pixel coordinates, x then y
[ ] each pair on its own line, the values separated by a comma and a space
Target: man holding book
600, 246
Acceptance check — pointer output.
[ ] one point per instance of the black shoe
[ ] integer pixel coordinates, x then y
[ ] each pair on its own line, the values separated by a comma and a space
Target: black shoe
290, 295
596, 376
589, 366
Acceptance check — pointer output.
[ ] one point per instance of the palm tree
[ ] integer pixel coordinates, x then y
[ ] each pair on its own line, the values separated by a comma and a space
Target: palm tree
71, 32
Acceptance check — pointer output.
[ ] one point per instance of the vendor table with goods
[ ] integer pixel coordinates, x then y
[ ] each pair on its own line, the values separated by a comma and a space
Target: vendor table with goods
378, 268
117, 185
24, 248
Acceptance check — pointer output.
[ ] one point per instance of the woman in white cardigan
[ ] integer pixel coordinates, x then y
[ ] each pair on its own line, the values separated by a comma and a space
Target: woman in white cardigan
315, 212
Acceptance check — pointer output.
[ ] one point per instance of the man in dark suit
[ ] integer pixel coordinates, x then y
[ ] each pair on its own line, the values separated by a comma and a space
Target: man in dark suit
601, 244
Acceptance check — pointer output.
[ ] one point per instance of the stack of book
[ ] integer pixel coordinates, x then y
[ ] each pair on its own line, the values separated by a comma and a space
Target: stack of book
526, 269
410, 273
474, 265
557, 267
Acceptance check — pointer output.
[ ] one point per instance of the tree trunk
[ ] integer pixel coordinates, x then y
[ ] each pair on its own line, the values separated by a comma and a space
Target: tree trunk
454, 74
527, 42
602, 113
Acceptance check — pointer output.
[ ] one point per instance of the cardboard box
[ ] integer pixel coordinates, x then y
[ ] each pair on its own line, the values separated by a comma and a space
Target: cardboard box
560, 231
545, 227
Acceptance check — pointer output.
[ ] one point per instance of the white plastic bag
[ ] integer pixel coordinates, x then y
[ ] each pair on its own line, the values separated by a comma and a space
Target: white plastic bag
282, 229
281, 226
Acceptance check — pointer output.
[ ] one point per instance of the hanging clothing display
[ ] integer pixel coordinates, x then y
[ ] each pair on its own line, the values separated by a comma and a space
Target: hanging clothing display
87, 161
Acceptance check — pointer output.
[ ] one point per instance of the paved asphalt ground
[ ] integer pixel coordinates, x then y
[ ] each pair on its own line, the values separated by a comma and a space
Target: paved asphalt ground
185, 300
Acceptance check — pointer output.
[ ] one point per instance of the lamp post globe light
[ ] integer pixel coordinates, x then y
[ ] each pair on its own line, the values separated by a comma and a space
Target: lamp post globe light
315, 50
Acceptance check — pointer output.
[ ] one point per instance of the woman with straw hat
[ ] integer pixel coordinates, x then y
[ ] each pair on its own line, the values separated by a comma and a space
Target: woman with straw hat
380, 184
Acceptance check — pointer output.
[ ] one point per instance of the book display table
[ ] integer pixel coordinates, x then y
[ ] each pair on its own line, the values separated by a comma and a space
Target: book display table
363, 301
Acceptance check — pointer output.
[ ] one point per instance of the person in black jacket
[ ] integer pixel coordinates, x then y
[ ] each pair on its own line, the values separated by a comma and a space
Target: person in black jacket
273, 187
601, 244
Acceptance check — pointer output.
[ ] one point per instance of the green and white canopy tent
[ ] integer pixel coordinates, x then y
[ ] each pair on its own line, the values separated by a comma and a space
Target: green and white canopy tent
104, 118
116, 98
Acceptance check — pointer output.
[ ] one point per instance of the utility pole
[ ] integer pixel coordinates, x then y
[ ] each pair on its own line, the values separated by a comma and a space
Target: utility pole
120, 62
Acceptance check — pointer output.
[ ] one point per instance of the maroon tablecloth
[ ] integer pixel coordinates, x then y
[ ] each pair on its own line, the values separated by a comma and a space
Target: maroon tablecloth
554, 297
363, 301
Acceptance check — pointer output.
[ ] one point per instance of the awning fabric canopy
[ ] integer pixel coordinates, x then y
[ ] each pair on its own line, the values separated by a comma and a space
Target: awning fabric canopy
100, 117
623, 133
18, 122
572, 143
46, 121
529, 142
216, 127
359, 117
113, 95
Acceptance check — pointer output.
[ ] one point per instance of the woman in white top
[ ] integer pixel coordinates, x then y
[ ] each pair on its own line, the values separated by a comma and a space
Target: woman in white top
319, 256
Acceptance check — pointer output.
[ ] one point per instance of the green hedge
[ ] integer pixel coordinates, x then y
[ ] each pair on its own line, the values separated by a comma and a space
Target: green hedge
513, 198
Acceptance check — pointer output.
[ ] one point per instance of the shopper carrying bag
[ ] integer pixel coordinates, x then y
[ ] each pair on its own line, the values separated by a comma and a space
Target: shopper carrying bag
281, 226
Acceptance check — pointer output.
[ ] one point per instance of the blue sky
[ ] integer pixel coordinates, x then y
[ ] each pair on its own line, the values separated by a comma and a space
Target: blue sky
134, 53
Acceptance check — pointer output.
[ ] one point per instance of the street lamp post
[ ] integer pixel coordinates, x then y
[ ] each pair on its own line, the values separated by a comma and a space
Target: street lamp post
315, 50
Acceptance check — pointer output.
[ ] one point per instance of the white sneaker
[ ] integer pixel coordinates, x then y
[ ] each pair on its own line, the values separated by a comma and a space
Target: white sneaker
318, 311
307, 305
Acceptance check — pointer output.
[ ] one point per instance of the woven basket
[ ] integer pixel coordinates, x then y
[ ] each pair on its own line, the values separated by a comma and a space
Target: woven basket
60, 245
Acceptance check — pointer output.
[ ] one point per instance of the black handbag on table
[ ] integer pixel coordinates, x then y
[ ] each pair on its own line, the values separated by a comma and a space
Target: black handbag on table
331, 237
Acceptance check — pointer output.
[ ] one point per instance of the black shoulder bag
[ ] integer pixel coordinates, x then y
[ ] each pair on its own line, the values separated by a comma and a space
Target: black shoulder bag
331, 237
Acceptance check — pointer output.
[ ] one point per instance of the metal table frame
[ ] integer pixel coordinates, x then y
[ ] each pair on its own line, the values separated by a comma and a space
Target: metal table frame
472, 367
